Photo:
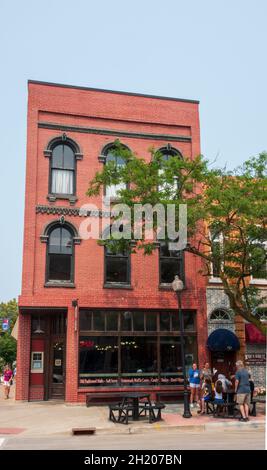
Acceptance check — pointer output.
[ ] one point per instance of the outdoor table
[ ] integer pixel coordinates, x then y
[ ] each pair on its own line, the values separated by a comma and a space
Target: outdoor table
230, 399
135, 397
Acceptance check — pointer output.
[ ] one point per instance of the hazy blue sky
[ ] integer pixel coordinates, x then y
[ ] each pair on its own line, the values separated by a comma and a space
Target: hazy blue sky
214, 51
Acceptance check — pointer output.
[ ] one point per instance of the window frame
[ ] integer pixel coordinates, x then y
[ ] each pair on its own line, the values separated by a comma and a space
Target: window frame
48, 152
179, 258
119, 334
103, 159
259, 280
117, 285
171, 152
76, 240
218, 239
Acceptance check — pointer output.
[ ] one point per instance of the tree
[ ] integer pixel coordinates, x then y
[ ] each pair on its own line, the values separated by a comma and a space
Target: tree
8, 345
226, 214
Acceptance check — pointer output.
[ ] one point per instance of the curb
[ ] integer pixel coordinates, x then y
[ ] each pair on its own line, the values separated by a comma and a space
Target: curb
208, 427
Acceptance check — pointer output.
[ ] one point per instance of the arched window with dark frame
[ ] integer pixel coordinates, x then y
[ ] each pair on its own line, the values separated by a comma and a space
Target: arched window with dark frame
62, 170
60, 255
108, 155
63, 153
167, 153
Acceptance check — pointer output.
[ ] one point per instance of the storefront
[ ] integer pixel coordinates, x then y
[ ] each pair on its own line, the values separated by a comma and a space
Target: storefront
255, 357
125, 348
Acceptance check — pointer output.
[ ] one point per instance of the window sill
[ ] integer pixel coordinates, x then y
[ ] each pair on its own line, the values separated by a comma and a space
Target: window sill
165, 287
117, 286
70, 197
260, 282
215, 280
59, 284
168, 287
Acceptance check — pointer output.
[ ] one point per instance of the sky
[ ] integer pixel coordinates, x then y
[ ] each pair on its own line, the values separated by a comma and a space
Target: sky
213, 51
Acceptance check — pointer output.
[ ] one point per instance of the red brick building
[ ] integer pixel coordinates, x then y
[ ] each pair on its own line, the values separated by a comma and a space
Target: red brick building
89, 322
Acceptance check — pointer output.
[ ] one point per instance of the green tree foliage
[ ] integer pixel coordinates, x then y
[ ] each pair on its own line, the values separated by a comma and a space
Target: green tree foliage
229, 206
8, 345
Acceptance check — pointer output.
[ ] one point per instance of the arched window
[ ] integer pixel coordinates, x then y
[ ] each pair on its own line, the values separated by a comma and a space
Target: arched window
62, 170
60, 262
220, 315
167, 154
63, 153
108, 155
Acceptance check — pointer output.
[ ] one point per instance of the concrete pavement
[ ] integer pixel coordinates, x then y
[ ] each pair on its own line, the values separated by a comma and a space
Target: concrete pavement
47, 423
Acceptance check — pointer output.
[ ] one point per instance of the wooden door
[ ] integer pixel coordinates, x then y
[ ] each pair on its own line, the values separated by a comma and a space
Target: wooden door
223, 362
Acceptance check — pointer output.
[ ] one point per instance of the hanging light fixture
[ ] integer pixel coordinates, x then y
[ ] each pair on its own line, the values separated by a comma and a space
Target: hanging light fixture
38, 330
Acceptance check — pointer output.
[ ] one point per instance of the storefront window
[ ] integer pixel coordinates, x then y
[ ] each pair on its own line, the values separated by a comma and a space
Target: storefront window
146, 348
98, 359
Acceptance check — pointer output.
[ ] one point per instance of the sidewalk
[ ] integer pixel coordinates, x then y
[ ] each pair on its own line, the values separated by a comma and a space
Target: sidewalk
56, 418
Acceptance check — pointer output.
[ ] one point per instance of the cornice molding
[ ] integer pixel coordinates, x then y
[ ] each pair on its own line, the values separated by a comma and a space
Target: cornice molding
113, 132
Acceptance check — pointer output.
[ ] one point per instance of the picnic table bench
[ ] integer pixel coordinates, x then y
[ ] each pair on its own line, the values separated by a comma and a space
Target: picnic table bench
254, 401
131, 406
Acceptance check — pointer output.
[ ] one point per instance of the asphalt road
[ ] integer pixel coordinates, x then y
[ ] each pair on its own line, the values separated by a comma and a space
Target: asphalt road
248, 440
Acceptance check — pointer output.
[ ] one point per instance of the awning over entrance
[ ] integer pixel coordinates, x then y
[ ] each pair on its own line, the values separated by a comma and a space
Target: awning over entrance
223, 340
253, 335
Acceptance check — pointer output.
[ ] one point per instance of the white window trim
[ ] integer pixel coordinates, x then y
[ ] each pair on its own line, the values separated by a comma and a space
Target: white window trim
41, 370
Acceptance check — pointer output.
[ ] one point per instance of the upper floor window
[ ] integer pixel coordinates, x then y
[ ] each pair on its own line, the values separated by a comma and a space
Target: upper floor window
220, 315
260, 255
171, 187
62, 170
117, 267
63, 153
261, 314
216, 239
109, 155
60, 255
170, 264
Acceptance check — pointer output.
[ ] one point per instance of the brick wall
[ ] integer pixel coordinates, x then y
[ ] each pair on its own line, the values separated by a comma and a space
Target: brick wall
116, 112
23, 357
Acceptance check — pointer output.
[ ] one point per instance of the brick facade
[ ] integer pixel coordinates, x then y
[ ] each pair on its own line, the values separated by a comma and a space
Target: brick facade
93, 118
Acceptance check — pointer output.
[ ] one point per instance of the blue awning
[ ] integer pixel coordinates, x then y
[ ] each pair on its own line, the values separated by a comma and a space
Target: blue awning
223, 340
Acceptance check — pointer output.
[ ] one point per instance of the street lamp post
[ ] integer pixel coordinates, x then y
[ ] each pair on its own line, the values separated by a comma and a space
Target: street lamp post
177, 286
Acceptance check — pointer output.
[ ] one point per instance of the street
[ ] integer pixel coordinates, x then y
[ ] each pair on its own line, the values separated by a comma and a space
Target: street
249, 440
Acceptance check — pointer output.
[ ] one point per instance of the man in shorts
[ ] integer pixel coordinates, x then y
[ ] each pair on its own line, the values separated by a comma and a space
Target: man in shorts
242, 389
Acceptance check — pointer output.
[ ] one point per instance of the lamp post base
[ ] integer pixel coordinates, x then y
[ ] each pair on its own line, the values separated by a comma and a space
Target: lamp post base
187, 412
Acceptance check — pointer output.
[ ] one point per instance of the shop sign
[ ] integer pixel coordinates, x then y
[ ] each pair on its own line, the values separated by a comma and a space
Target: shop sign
255, 359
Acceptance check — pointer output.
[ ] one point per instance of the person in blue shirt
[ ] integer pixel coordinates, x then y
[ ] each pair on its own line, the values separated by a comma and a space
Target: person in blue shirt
194, 382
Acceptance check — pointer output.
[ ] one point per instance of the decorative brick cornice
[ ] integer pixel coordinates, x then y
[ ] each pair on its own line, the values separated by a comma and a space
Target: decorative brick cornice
113, 132
71, 211
57, 210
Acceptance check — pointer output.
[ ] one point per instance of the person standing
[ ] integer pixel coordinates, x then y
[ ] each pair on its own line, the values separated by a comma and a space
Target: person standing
206, 372
194, 383
8, 374
242, 390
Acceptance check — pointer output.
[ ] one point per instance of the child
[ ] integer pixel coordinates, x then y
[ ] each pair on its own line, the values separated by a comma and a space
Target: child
218, 393
206, 394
